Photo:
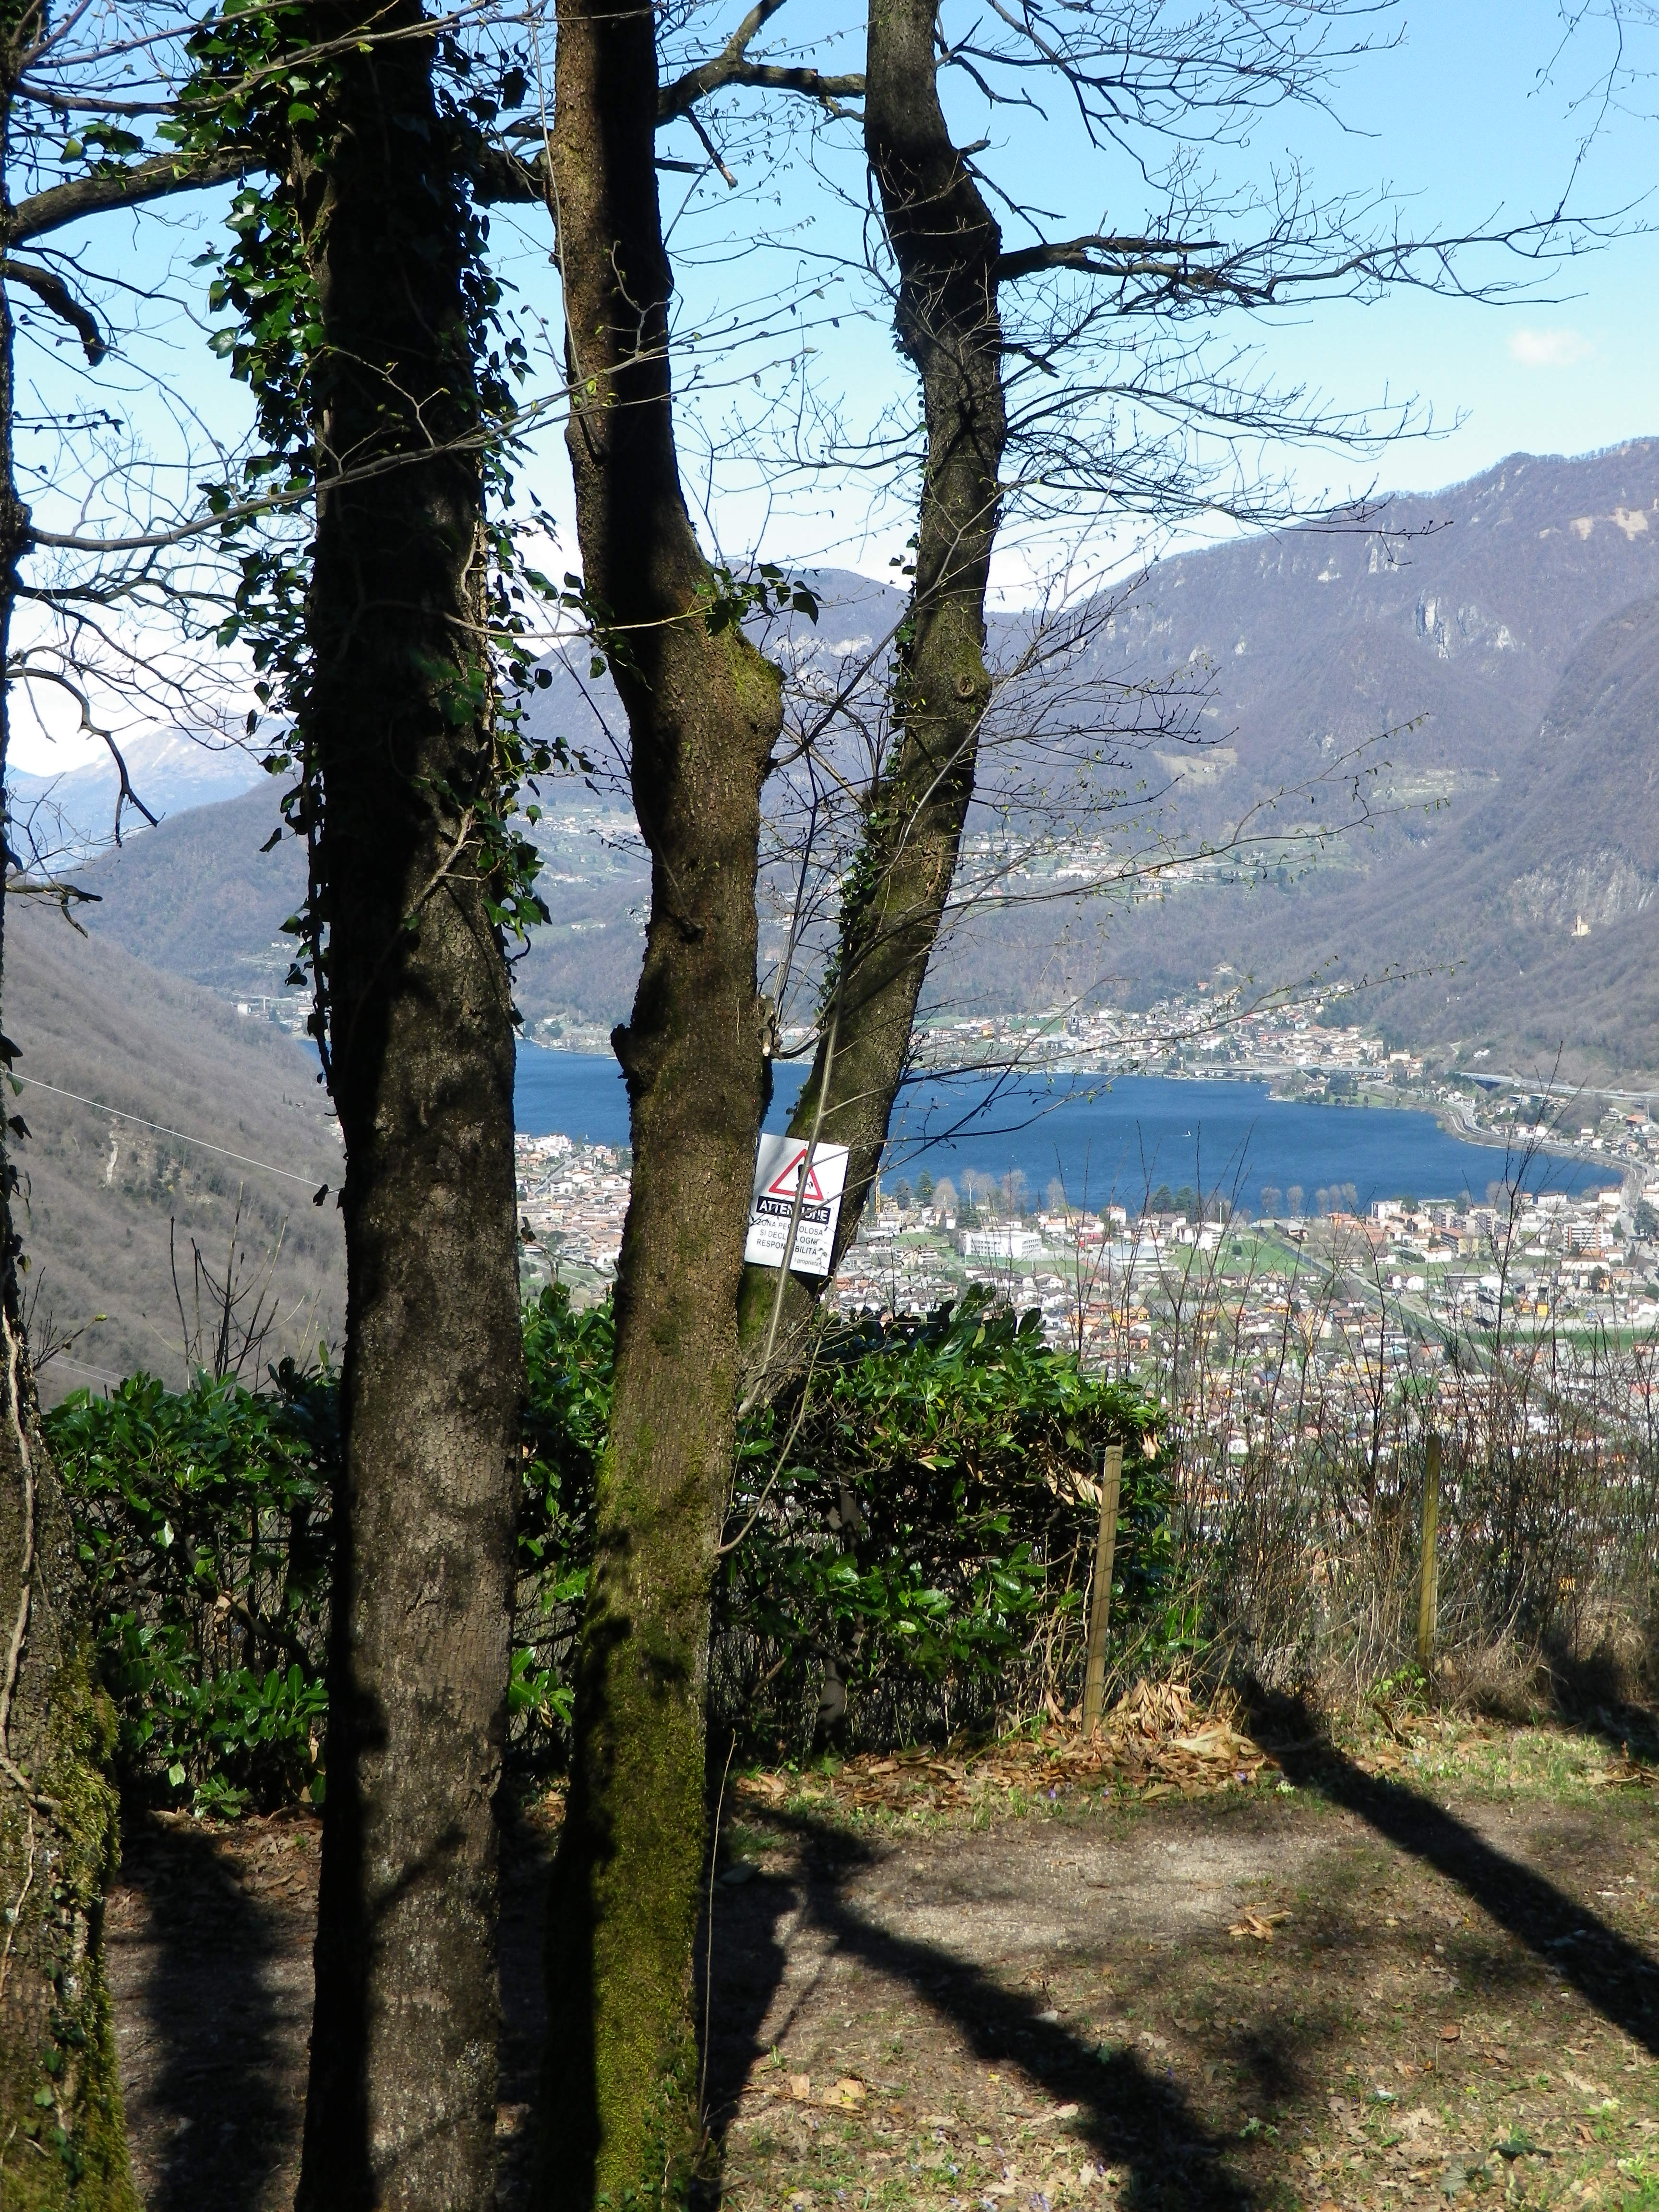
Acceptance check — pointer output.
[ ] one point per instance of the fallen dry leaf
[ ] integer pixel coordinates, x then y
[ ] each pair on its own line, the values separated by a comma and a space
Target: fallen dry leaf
1259, 1924
1585, 2089
847, 2095
1451, 2033
763, 1785
1626, 1773
800, 2087
1159, 1739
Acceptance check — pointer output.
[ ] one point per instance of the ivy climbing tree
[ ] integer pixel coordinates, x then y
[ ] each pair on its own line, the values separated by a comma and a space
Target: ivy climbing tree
366, 333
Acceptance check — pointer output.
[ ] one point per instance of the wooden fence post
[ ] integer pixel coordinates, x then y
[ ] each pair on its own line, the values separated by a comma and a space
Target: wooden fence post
1428, 1601
1100, 1602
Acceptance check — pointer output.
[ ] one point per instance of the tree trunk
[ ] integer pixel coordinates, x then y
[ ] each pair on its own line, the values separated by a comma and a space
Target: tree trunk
396, 720
620, 2108
62, 2138
946, 247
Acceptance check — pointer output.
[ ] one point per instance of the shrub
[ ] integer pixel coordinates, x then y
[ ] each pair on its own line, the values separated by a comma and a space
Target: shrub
918, 1516
568, 1358
202, 1517
915, 1517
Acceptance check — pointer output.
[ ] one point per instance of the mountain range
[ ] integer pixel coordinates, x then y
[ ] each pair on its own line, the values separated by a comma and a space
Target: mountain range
1495, 648
1474, 672
169, 770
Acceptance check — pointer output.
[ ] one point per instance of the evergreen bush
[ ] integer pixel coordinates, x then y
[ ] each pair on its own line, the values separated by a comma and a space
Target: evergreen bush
914, 1519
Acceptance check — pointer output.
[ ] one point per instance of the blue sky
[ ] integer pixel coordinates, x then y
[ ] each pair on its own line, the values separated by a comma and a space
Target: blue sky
1454, 120
1458, 123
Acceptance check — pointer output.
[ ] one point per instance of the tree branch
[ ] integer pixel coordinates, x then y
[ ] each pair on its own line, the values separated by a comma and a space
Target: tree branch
153, 180
53, 294
769, 76
1167, 270
1129, 256
499, 176
732, 65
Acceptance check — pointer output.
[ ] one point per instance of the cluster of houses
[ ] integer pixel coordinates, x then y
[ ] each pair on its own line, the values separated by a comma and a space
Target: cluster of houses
572, 1199
1115, 1286
1344, 1295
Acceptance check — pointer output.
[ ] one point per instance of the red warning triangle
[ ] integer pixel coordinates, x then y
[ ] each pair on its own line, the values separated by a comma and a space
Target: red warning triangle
784, 1187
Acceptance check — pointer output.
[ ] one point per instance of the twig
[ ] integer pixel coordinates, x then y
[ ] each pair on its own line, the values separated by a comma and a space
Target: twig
25, 1569
708, 1956
720, 1550
16, 1913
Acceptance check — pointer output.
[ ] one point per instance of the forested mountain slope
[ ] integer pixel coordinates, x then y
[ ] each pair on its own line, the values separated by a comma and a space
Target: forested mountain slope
1485, 665
1530, 917
99, 1192
1443, 666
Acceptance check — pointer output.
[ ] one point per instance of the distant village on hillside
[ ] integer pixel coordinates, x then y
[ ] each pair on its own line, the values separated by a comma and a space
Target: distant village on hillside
1307, 1278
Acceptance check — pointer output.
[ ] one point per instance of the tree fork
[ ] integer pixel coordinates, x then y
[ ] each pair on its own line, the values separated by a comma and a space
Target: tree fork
947, 248
396, 720
704, 709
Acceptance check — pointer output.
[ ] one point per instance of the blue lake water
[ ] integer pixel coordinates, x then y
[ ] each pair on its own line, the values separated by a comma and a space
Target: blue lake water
1104, 1143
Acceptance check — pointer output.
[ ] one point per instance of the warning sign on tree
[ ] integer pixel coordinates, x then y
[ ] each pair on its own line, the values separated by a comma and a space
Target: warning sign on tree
782, 1166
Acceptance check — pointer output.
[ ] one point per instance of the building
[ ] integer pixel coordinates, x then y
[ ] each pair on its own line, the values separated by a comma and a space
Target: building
999, 1243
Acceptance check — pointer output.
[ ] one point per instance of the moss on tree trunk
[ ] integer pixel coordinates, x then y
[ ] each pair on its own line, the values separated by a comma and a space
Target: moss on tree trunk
62, 2140
620, 2117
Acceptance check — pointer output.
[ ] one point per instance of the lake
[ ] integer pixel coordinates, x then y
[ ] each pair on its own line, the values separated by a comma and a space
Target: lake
1104, 1143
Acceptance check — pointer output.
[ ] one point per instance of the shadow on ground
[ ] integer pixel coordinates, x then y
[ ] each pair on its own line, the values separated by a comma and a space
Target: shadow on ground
215, 2004
1615, 1975
1594, 1693
1129, 2115
951, 1939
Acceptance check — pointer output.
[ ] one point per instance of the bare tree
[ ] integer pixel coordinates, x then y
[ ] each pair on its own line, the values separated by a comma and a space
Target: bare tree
231, 1313
1085, 363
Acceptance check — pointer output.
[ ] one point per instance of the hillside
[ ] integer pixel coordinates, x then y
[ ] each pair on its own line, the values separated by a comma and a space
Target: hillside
1506, 729
1456, 611
1455, 643
169, 769
99, 1192
199, 897
1535, 910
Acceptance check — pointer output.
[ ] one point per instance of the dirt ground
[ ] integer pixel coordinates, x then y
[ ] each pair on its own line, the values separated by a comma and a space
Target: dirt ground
1385, 1975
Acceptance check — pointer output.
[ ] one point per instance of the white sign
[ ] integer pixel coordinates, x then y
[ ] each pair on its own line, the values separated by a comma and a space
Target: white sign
779, 1163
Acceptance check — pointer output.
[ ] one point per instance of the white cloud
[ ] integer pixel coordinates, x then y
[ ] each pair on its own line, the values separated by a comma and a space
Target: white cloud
1549, 348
